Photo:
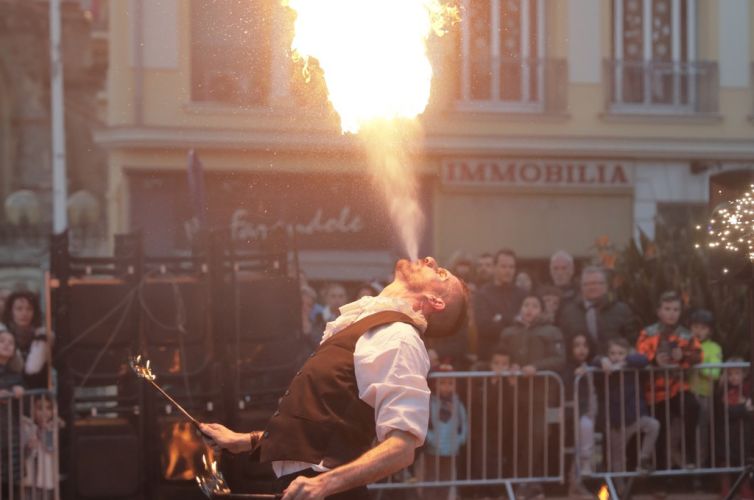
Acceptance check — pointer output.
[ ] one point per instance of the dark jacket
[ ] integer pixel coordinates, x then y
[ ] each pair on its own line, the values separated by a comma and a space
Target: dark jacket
734, 441
586, 396
629, 397
495, 308
490, 428
614, 318
9, 419
540, 344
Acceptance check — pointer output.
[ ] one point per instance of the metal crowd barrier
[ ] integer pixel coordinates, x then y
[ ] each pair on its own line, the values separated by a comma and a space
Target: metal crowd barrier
29, 459
510, 421
694, 434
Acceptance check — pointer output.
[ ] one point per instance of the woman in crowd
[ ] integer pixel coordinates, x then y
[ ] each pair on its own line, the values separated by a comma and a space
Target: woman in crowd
580, 354
23, 318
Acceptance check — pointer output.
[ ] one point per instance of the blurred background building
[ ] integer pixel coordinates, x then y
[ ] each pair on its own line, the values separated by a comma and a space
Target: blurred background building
25, 135
550, 123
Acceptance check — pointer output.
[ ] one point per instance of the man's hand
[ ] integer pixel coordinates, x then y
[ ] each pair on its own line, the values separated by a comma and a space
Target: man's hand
220, 437
18, 391
529, 370
606, 364
306, 488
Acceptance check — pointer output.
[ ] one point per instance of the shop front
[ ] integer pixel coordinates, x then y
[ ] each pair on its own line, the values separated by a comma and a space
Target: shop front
533, 206
342, 228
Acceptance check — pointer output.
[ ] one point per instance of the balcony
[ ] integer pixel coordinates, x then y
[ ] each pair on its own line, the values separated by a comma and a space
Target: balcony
662, 88
513, 85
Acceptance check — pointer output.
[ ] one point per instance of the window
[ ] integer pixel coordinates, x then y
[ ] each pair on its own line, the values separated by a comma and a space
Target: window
230, 51
654, 65
502, 47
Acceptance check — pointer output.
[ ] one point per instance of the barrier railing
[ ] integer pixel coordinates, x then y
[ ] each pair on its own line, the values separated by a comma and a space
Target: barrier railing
665, 421
29, 459
495, 435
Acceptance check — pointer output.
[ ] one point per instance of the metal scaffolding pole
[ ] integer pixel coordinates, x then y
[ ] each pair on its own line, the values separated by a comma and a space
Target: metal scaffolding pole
59, 188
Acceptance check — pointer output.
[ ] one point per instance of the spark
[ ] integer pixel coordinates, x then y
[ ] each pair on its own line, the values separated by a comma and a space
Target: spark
732, 227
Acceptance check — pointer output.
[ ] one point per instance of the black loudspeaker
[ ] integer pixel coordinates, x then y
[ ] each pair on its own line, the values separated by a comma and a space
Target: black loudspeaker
101, 312
167, 305
107, 466
269, 309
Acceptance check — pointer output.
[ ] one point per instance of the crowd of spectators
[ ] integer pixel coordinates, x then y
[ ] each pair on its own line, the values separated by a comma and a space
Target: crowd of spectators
24, 366
572, 325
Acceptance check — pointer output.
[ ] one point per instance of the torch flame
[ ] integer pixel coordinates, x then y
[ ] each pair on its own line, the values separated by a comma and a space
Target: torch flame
603, 494
373, 53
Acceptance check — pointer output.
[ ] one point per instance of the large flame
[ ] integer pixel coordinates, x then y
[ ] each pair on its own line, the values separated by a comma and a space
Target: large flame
373, 54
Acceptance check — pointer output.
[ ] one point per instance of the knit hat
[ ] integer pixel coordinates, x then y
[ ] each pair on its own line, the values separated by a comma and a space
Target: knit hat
702, 316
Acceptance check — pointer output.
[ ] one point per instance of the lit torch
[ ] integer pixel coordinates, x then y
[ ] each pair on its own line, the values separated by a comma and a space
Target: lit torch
143, 371
373, 55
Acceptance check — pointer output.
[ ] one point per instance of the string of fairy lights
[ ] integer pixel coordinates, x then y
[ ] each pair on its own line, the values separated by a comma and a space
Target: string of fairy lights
731, 227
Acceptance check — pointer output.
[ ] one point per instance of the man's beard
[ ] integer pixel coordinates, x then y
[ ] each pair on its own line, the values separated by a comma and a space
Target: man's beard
407, 273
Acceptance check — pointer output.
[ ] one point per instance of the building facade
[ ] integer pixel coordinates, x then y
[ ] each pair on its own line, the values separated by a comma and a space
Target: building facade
551, 122
26, 137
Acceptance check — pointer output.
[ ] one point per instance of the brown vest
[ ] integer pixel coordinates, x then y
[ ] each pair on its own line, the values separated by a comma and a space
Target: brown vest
320, 417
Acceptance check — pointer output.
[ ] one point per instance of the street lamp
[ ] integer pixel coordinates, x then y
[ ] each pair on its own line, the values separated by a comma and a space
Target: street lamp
22, 208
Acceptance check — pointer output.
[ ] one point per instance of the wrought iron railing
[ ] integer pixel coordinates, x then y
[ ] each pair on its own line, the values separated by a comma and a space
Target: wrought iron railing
513, 85
658, 87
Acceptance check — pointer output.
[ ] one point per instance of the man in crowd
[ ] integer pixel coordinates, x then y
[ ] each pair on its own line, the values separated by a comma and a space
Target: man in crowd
595, 313
497, 303
562, 269
367, 380
334, 298
485, 269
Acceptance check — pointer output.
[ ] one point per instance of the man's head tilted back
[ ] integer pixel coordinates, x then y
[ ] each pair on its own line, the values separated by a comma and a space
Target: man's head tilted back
440, 296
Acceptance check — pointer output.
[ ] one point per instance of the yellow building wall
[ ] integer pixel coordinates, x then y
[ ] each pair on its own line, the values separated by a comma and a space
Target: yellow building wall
167, 100
534, 224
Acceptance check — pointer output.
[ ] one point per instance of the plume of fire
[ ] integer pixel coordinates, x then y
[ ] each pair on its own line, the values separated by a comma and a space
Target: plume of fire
373, 54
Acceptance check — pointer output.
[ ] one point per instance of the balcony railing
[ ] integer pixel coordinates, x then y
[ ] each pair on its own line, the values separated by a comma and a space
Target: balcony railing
751, 116
513, 85
653, 87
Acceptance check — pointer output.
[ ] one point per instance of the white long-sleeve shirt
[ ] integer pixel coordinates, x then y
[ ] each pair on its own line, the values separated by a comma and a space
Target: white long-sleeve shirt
391, 365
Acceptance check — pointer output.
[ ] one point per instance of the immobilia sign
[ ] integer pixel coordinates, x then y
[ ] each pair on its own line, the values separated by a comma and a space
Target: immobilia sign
494, 172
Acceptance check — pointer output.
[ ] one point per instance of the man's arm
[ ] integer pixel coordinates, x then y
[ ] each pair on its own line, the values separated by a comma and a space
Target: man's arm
393, 454
220, 437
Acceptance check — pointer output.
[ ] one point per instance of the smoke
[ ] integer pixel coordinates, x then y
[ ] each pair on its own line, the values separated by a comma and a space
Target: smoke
389, 147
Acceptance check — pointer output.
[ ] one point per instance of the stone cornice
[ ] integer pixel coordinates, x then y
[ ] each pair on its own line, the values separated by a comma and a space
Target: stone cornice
450, 145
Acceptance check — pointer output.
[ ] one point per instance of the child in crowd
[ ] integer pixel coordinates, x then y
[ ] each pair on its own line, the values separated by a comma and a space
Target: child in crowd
580, 353
669, 346
491, 424
625, 408
534, 345
551, 297
703, 380
448, 430
733, 417
11, 386
39, 477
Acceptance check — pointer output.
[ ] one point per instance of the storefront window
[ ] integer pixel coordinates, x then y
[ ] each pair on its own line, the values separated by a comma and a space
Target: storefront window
502, 46
230, 51
653, 67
